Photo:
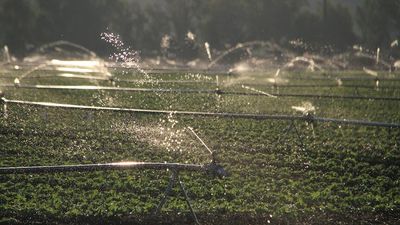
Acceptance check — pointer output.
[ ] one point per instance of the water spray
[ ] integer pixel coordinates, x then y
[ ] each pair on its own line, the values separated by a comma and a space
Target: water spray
378, 52
17, 83
394, 44
208, 51
370, 72
377, 84
308, 110
237, 47
258, 91
202, 142
190, 36
339, 82
396, 65
278, 71
66, 43
22, 76
6, 54
311, 63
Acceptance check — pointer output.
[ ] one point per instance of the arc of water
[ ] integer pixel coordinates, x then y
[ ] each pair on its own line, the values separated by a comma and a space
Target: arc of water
208, 51
258, 91
237, 47
201, 141
63, 42
22, 76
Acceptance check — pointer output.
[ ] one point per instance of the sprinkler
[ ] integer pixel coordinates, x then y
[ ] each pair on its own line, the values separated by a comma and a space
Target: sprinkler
4, 102
219, 91
212, 168
17, 83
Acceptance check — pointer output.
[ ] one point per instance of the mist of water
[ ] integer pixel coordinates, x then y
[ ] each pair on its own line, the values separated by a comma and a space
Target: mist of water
370, 72
125, 55
208, 51
258, 91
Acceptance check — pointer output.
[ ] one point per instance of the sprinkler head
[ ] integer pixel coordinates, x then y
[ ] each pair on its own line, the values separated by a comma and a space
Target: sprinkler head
216, 170
218, 91
309, 117
2, 98
17, 83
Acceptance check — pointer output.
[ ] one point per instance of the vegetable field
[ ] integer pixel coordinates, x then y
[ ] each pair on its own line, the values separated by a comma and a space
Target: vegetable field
281, 171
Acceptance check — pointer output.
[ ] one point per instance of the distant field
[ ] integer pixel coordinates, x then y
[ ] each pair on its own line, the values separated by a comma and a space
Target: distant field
331, 174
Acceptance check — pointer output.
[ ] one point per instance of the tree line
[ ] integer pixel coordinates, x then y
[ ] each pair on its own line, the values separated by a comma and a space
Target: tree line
26, 24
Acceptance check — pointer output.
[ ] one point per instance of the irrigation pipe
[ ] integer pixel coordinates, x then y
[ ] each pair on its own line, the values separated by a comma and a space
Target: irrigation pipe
198, 91
102, 167
139, 81
324, 86
344, 78
307, 118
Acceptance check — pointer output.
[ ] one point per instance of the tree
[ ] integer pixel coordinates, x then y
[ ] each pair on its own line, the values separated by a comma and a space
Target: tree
333, 26
379, 22
18, 20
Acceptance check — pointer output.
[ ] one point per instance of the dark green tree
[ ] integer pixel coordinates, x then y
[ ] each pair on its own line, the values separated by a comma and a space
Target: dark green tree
332, 26
18, 22
379, 22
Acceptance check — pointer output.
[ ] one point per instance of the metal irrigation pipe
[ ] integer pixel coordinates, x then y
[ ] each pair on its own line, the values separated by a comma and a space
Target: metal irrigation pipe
165, 81
210, 82
211, 168
198, 91
98, 167
259, 85
87, 77
323, 86
306, 118
345, 78
98, 88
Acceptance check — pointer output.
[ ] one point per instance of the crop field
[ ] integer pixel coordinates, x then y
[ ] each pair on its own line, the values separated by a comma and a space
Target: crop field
281, 171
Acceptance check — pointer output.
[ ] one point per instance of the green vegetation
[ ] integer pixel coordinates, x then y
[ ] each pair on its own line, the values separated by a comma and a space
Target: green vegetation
340, 175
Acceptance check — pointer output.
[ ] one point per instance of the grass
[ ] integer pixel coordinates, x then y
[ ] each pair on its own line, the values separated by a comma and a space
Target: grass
342, 174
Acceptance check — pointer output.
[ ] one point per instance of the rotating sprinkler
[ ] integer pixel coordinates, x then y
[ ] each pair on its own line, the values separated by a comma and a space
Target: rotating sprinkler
215, 169
3, 101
